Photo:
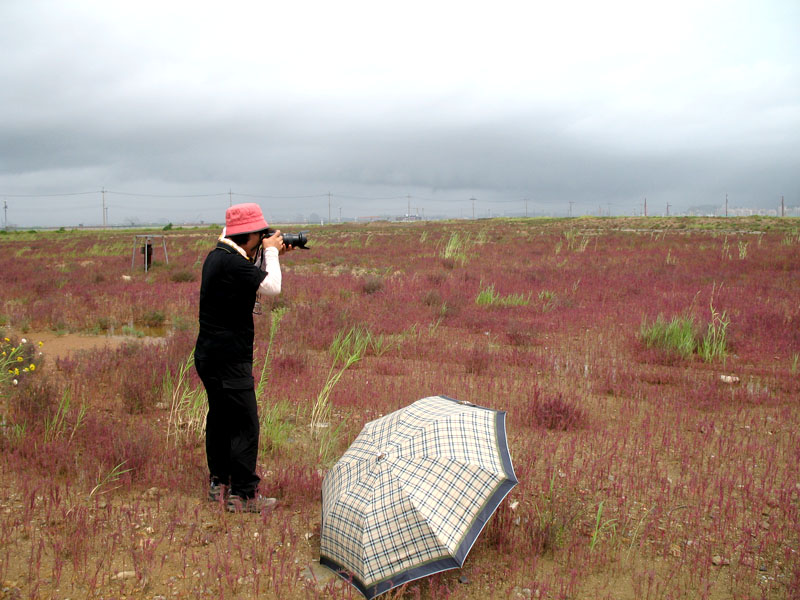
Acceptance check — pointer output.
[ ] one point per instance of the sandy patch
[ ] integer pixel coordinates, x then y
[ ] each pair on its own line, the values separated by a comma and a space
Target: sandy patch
60, 346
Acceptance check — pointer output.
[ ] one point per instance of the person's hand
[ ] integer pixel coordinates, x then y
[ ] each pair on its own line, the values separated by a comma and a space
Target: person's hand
274, 241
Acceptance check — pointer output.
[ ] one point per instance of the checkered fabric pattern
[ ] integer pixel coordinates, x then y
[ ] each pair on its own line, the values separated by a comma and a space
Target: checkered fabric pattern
409, 490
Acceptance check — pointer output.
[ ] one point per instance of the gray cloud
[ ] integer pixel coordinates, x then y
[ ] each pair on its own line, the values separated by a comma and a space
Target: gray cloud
557, 105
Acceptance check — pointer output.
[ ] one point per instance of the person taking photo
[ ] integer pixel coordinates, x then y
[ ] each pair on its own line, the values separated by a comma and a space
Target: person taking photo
243, 265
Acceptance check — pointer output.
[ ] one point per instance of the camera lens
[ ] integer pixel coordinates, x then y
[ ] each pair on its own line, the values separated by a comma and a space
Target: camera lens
297, 240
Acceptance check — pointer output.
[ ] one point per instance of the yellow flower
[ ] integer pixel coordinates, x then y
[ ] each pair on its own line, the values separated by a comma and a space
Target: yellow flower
16, 371
20, 359
32, 367
6, 339
41, 344
25, 370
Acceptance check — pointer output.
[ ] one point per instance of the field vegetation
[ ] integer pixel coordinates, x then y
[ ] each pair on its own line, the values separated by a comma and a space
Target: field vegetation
649, 368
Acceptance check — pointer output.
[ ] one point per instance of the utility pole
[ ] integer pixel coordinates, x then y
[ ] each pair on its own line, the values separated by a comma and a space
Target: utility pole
645, 206
526, 208
5, 214
105, 218
783, 208
726, 204
230, 197
667, 208
570, 207
473, 208
408, 210
329, 208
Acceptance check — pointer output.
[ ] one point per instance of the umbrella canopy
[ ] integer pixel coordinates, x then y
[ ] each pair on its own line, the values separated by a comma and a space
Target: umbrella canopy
412, 493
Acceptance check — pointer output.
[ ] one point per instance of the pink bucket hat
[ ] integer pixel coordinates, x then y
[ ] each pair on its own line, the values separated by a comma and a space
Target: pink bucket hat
244, 218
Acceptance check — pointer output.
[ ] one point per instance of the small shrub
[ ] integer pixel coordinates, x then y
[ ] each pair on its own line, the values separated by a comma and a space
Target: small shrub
130, 330
116, 455
141, 389
294, 484
550, 410
478, 360
153, 318
137, 394
182, 323
289, 364
34, 401
558, 414
183, 276
520, 335
432, 298
372, 284
389, 367
437, 278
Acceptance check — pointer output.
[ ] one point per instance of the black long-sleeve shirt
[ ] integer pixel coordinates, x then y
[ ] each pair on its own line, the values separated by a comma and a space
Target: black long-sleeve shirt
227, 295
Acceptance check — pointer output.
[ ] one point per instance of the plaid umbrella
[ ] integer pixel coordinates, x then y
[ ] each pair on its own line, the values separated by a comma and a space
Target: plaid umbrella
412, 493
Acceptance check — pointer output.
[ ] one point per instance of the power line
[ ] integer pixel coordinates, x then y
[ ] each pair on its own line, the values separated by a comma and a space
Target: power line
372, 197
166, 195
279, 197
50, 195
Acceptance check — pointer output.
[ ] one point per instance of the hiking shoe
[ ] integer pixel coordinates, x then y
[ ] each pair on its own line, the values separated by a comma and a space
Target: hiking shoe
250, 505
217, 492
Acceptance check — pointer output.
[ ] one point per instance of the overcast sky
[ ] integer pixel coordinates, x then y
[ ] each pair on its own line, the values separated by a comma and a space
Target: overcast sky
582, 105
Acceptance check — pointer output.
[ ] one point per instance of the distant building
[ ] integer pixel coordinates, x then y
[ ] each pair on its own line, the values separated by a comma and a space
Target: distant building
750, 212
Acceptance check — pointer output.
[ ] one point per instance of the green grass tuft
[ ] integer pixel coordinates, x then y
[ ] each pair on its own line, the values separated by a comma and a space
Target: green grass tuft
489, 297
676, 336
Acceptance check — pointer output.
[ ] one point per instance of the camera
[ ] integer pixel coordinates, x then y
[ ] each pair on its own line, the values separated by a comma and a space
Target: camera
296, 240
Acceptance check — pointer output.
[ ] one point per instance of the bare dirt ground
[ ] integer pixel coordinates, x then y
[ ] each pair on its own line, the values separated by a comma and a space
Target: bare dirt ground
63, 345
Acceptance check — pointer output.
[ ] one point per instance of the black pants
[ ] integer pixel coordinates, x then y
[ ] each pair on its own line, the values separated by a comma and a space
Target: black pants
231, 425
